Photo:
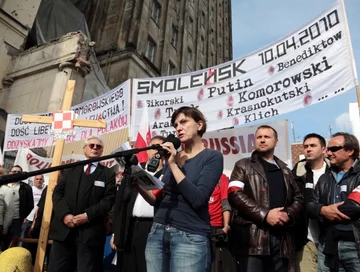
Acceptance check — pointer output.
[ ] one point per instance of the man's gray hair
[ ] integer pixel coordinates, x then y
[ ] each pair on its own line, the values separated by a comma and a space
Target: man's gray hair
93, 137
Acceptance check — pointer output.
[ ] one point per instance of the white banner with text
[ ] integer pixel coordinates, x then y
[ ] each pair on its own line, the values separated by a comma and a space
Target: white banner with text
113, 107
309, 66
239, 143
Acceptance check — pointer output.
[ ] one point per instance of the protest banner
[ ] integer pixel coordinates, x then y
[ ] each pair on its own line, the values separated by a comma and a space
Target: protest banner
113, 107
311, 65
239, 143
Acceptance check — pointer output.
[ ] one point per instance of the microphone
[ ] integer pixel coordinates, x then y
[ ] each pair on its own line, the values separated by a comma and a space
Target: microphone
155, 161
127, 160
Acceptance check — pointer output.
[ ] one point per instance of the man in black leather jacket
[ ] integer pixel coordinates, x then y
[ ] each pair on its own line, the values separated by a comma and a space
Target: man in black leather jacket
307, 173
335, 203
267, 203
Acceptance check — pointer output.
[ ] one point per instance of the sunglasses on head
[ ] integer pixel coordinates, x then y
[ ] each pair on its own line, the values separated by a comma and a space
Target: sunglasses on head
335, 148
92, 146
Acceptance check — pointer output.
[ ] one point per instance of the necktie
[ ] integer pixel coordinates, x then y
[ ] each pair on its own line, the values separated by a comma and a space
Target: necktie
88, 169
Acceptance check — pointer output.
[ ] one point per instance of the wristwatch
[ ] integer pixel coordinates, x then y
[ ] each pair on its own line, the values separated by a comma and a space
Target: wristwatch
227, 226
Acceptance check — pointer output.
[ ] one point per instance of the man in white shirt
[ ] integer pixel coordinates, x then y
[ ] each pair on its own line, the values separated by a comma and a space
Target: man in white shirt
37, 189
139, 219
307, 173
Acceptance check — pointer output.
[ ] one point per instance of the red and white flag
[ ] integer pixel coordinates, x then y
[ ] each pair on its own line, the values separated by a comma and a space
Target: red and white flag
143, 136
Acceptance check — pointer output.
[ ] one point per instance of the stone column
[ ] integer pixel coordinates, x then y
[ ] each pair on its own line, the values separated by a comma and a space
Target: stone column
4, 92
71, 70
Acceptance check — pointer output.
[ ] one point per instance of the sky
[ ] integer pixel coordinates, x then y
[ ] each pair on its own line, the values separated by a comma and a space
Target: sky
256, 23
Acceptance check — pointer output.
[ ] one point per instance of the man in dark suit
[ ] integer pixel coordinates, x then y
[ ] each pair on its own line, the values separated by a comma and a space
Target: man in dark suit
82, 199
139, 218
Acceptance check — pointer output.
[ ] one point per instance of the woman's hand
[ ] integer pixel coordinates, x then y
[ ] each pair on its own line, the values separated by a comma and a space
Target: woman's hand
112, 245
171, 157
31, 230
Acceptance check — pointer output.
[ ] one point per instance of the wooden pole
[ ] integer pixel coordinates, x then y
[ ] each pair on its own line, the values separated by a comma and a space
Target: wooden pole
358, 96
351, 54
57, 155
45, 225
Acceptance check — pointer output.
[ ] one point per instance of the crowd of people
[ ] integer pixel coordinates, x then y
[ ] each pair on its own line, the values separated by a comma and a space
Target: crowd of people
264, 217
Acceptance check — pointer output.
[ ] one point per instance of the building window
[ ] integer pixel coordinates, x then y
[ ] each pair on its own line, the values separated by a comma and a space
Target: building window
189, 59
171, 69
190, 26
202, 44
177, 5
150, 50
174, 36
156, 11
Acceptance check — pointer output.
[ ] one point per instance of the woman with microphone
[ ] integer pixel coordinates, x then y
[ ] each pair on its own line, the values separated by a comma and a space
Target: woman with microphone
179, 237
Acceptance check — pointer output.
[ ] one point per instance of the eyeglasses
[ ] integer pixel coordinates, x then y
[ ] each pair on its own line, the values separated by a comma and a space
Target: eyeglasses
92, 146
335, 148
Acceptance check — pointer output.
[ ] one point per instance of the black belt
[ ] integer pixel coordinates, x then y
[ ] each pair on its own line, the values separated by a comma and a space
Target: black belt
142, 219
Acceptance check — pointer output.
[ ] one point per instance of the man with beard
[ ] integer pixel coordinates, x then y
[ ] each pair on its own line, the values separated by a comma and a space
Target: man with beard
267, 203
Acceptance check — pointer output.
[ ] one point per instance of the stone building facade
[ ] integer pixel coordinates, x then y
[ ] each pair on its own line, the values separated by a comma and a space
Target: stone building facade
133, 39
16, 18
147, 38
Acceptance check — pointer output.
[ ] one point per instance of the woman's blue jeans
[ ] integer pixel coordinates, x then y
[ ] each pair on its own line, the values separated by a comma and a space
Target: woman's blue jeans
171, 250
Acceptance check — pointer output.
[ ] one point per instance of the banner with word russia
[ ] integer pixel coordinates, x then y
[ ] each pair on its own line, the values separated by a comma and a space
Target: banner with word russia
309, 66
239, 143
113, 107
